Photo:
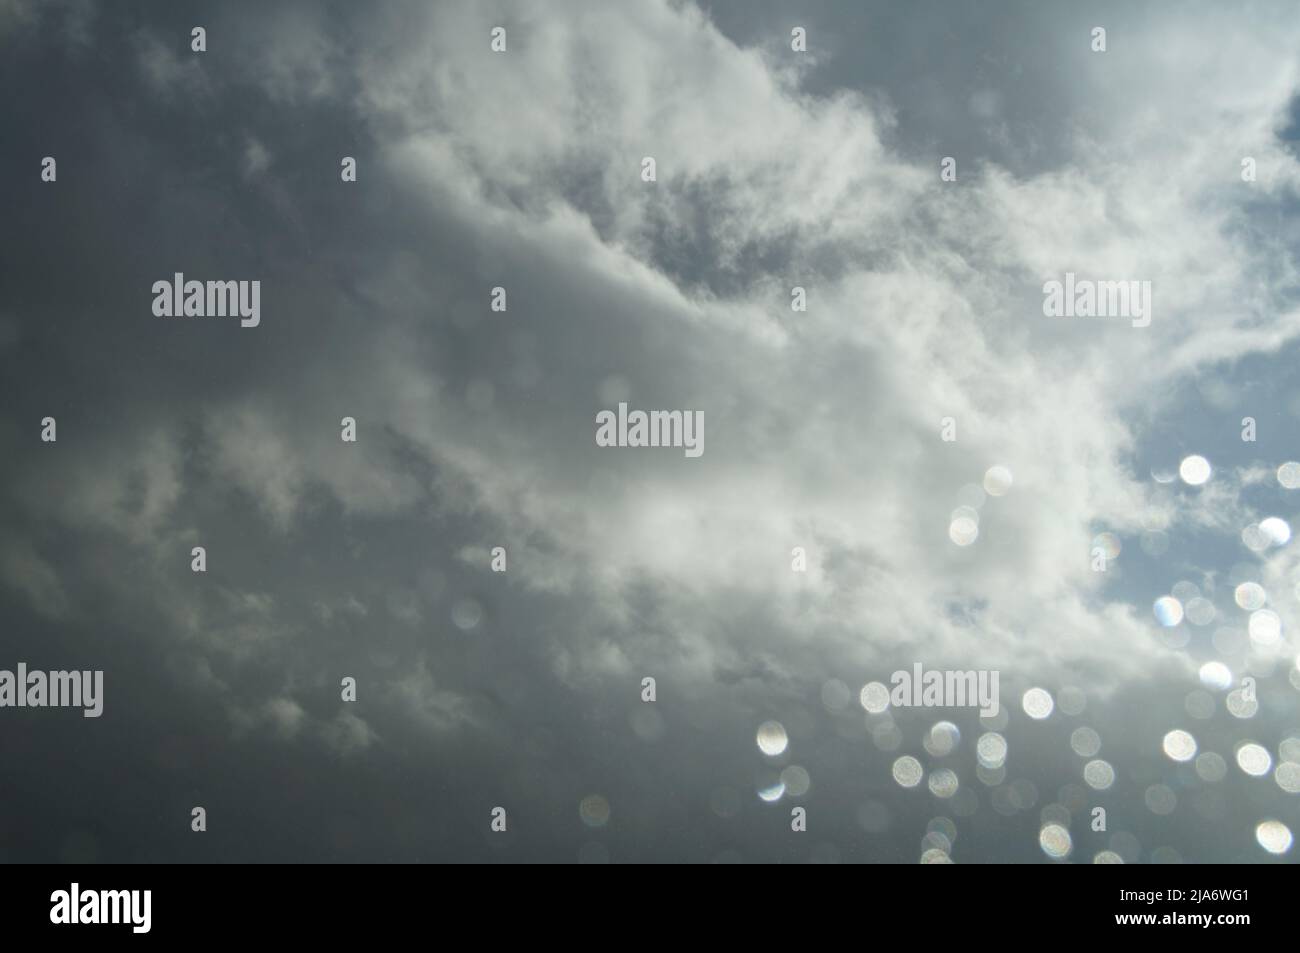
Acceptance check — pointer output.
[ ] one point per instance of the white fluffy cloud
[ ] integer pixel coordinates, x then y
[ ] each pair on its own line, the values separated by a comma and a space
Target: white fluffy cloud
823, 428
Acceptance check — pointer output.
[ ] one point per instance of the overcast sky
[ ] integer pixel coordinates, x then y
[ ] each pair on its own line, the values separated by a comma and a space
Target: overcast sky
475, 429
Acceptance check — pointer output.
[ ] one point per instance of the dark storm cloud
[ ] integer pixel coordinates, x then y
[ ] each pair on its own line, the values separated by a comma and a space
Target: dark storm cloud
328, 560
